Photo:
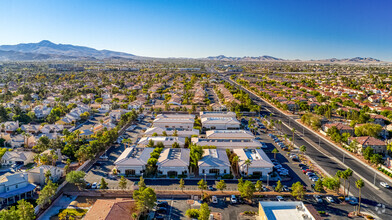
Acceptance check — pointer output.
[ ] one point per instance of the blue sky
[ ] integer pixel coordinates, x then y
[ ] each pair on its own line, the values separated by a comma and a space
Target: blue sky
290, 29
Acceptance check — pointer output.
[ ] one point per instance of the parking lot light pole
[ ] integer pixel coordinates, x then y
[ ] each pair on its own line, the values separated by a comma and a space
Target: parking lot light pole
267, 179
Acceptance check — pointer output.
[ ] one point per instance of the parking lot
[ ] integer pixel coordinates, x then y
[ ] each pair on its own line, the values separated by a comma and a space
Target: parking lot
104, 167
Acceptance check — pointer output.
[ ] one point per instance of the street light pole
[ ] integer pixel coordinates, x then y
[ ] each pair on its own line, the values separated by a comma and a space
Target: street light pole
267, 179
375, 175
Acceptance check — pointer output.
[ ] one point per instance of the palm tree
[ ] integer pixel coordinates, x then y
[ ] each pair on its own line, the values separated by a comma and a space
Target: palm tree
275, 151
349, 174
359, 184
37, 159
247, 163
303, 149
293, 130
77, 132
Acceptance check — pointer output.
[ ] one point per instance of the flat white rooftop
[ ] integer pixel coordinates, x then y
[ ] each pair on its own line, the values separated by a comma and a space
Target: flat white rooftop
284, 211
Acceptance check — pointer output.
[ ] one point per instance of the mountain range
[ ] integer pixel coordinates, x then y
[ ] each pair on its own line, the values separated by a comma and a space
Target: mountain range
46, 50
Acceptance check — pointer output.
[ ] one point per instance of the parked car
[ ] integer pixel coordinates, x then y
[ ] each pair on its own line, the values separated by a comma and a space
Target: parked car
233, 199
161, 210
301, 165
384, 184
211, 188
103, 157
162, 204
280, 198
351, 200
88, 185
330, 199
318, 198
214, 199
94, 186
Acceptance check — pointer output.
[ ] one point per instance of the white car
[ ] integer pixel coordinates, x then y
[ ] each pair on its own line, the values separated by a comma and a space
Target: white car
103, 157
233, 199
330, 199
214, 200
384, 184
94, 186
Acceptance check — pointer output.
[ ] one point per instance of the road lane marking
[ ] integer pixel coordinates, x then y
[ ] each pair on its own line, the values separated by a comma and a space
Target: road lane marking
334, 158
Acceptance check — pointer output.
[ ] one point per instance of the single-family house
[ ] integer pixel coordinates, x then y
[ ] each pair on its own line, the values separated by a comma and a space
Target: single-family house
378, 145
37, 174
17, 157
14, 187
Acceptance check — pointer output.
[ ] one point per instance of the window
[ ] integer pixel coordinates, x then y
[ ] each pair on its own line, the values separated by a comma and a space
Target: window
224, 171
16, 186
203, 171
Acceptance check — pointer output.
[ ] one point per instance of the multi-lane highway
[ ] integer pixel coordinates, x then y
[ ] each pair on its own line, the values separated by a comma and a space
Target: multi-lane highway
332, 159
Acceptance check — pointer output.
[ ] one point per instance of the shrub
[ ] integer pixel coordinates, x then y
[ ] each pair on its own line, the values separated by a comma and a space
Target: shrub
192, 213
227, 176
321, 212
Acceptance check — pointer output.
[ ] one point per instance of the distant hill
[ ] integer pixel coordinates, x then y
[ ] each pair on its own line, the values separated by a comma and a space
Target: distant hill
246, 58
350, 60
46, 50
46, 47
20, 56
270, 58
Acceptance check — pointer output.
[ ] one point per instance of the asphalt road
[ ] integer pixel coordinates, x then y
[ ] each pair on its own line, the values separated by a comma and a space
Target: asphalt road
327, 156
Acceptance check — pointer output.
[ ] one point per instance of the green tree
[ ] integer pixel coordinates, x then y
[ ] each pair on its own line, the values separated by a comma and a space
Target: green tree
104, 184
318, 186
279, 186
47, 193
122, 184
359, 184
298, 190
221, 185
10, 214
76, 177
141, 183
246, 188
182, 184
331, 183
349, 174
367, 153
259, 186
247, 163
202, 185
48, 175
145, 198
302, 149
376, 159
25, 210
192, 213
275, 151
204, 212
175, 145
